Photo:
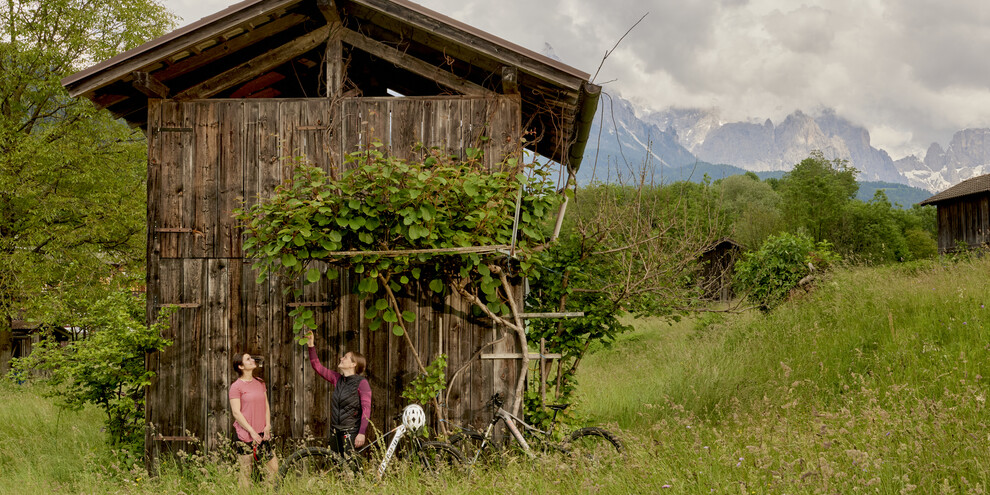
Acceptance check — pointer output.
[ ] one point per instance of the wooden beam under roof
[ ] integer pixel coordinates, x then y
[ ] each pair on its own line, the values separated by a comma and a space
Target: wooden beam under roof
412, 64
329, 10
148, 85
436, 24
256, 66
117, 67
215, 53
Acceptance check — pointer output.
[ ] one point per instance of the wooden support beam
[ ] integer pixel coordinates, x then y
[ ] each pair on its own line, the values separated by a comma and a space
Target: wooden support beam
256, 66
108, 100
80, 84
407, 13
329, 10
533, 316
149, 86
516, 355
217, 52
510, 80
412, 64
336, 72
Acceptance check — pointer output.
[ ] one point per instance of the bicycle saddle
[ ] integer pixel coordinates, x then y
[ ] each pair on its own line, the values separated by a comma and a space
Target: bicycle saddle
558, 407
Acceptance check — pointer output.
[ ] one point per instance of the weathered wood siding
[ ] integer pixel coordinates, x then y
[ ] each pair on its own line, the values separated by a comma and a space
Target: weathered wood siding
963, 223
205, 158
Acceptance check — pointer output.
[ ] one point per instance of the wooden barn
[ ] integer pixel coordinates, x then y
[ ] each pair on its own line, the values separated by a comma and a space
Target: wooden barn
963, 215
718, 262
227, 103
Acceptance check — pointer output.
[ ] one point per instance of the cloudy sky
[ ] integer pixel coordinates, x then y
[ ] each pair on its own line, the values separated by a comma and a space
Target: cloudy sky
911, 71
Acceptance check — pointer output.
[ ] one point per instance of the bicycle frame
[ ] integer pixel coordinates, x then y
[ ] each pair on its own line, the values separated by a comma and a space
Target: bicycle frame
510, 424
397, 433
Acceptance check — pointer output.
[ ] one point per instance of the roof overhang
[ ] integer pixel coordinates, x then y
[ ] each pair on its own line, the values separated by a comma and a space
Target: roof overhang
258, 39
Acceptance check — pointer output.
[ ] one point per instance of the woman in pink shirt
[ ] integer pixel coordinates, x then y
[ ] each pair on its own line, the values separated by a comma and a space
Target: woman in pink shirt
252, 419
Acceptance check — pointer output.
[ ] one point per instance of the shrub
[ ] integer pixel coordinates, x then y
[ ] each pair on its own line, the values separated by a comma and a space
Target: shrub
106, 368
769, 274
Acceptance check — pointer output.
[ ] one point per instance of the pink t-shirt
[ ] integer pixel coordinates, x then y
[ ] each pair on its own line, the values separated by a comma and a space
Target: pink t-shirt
253, 402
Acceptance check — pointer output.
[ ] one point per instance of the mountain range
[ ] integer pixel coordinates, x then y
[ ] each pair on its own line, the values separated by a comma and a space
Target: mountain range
624, 137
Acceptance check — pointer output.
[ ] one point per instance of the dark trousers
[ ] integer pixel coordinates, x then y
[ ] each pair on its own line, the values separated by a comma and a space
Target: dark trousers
342, 440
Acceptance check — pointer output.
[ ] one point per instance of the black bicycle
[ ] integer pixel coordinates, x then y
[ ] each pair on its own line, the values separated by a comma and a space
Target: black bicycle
310, 466
590, 443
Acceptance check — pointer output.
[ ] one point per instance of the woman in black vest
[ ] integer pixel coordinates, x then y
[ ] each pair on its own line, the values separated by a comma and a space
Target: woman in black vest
350, 404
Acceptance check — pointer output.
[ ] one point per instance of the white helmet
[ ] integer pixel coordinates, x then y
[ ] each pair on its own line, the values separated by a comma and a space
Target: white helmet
413, 417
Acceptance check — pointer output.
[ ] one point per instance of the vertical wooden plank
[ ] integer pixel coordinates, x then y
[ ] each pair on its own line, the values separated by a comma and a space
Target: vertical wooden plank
221, 348
169, 379
453, 330
200, 177
376, 122
177, 147
153, 400
269, 148
231, 182
281, 387
319, 389
193, 360
406, 126
380, 378
479, 327
350, 127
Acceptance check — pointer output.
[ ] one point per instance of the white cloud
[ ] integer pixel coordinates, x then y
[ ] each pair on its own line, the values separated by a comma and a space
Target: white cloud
911, 71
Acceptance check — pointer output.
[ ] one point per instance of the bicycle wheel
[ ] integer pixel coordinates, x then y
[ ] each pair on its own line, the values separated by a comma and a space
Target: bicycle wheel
311, 467
475, 449
592, 444
438, 457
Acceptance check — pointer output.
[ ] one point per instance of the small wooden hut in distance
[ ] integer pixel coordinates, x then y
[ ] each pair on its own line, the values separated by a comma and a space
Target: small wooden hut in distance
963, 215
718, 265
228, 103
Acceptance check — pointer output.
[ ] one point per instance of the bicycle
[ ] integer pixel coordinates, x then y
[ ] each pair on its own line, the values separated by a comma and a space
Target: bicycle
310, 465
589, 442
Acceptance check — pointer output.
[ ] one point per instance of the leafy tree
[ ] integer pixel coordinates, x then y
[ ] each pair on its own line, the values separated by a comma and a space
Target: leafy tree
624, 249
72, 177
815, 194
870, 232
920, 244
754, 208
106, 368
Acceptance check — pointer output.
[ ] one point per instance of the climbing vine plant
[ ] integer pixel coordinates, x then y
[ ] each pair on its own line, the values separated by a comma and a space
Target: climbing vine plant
440, 220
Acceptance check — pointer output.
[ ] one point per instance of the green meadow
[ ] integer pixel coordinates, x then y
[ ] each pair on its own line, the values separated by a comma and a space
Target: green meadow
873, 382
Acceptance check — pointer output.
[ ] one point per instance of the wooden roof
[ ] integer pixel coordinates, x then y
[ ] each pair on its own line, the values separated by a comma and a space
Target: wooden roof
723, 243
976, 185
278, 48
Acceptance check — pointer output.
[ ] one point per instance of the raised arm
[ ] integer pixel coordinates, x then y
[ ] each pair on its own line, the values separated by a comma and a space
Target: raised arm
314, 361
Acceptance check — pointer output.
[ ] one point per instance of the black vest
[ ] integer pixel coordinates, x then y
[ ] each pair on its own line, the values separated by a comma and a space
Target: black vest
345, 404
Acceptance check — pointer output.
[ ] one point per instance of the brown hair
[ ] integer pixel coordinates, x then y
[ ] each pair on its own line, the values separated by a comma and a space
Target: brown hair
359, 362
238, 361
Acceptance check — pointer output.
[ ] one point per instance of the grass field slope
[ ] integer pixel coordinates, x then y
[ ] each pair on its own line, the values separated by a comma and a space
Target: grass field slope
874, 382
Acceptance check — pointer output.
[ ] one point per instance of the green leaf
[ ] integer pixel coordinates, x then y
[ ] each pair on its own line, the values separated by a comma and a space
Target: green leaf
436, 285
381, 304
288, 260
389, 316
397, 330
409, 316
313, 275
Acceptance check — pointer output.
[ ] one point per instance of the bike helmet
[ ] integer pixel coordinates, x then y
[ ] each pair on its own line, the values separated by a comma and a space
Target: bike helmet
413, 417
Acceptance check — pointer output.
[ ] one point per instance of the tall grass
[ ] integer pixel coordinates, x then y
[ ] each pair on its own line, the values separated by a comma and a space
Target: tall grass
875, 382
